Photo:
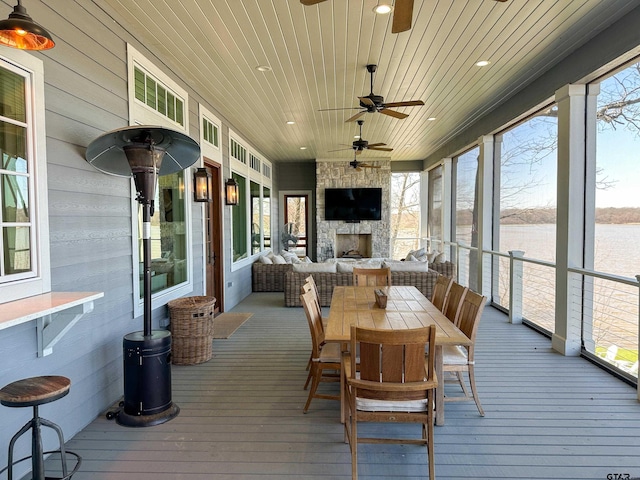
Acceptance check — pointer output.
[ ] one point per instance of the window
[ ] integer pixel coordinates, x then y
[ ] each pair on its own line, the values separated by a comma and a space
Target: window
238, 151
266, 217
155, 99
210, 132
610, 329
435, 209
405, 213
239, 220
466, 215
24, 263
157, 96
527, 212
251, 217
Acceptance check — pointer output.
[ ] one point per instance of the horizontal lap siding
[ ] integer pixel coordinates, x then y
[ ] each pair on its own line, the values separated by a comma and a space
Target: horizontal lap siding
90, 221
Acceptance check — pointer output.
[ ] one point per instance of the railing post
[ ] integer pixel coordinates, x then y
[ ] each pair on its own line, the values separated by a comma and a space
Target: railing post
515, 285
638, 383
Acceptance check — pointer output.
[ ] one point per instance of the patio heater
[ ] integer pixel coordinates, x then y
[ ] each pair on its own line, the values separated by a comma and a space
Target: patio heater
145, 152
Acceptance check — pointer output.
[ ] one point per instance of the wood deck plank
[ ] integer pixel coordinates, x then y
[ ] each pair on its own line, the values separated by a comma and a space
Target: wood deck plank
547, 416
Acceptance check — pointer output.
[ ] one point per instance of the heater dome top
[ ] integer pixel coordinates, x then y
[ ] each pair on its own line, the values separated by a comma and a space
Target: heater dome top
107, 153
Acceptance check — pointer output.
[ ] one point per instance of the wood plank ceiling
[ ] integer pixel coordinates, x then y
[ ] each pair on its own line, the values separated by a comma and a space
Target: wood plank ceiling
318, 56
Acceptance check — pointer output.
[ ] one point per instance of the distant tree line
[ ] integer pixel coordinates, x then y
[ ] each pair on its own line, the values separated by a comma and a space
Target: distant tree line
517, 216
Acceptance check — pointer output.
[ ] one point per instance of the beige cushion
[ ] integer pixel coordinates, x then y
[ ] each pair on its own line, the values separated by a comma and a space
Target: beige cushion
416, 253
431, 256
371, 405
278, 259
440, 258
315, 267
454, 355
289, 257
347, 267
265, 259
397, 266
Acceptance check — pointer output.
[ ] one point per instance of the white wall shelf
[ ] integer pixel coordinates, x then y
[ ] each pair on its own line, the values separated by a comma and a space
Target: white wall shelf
55, 313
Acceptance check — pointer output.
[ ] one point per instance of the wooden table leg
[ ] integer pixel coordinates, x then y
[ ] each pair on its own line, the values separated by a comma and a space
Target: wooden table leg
440, 389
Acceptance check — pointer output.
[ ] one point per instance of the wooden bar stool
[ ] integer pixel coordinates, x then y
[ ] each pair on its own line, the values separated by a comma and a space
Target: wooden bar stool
33, 392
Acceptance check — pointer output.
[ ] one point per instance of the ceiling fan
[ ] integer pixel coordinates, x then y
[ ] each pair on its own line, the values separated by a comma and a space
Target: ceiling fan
373, 103
402, 13
358, 166
361, 144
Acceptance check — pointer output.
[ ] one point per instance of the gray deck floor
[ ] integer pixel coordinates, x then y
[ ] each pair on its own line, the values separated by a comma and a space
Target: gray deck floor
547, 416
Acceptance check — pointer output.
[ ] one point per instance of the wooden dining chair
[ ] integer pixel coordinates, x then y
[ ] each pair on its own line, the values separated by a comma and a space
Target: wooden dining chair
454, 301
325, 357
372, 277
459, 359
441, 291
393, 382
310, 280
309, 287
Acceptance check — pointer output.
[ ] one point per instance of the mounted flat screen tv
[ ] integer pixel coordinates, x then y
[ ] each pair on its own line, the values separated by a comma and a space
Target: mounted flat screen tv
352, 204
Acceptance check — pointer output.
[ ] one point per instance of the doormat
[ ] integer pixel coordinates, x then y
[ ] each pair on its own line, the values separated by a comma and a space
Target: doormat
225, 324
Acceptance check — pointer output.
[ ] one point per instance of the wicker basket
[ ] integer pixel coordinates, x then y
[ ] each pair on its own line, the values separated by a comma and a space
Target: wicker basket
191, 329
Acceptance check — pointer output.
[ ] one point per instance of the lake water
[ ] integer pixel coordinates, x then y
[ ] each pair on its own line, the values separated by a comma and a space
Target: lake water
611, 313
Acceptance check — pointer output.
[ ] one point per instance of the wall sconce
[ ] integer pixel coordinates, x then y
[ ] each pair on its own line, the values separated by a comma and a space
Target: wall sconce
202, 185
231, 192
20, 31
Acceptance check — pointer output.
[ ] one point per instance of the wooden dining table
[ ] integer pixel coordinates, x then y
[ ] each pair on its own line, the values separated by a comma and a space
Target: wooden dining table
406, 308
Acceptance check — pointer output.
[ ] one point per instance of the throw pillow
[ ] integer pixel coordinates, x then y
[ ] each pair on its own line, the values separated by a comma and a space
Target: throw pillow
278, 259
440, 258
431, 256
289, 257
265, 259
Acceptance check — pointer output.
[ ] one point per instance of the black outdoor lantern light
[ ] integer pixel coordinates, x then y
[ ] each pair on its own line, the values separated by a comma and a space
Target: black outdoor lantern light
145, 152
202, 185
231, 191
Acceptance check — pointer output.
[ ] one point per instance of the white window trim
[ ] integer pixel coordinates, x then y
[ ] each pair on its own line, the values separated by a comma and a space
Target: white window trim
250, 175
141, 114
38, 186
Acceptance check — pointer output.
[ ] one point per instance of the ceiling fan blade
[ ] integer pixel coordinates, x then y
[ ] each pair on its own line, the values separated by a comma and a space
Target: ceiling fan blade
356, 116
376, 145
409, 103
380, 149
367, 101
393, 113
402, 16
332, 109
310, 2
366, 165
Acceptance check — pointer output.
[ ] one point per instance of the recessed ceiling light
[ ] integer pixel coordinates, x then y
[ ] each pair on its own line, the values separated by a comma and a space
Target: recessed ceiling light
303, 148
431, 119
263, 68
408, 145
382, 8
290, 122
482, 63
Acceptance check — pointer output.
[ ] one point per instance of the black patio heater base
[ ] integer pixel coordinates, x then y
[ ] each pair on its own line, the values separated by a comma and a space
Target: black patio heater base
145, 152
147, 380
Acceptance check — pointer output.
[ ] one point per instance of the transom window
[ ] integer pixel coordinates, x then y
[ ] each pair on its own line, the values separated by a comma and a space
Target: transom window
157, 96
210, 132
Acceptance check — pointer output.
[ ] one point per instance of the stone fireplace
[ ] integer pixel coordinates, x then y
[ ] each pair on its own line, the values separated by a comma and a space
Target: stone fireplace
369, 238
